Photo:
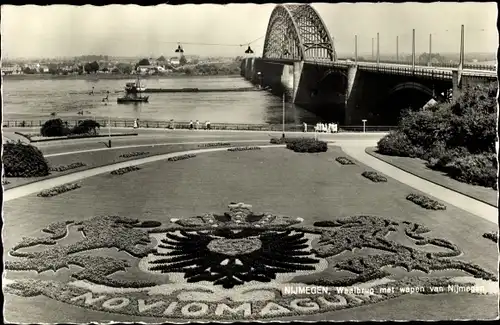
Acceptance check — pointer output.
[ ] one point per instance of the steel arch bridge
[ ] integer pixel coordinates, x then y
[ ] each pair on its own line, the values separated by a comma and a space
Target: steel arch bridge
297, 32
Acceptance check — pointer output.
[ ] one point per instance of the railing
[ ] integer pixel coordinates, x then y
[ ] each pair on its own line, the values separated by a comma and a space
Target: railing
421, 72
213, 126
343, 61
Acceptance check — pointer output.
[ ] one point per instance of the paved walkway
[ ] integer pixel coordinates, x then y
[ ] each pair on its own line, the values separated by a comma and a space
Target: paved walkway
352, 147
463, 202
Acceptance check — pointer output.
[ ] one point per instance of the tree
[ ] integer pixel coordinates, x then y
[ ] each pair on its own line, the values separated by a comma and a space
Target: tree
161, 59
40, 70
125, 68
28, 70
54, 128
142, 62
182, 60
88, 68
94, 66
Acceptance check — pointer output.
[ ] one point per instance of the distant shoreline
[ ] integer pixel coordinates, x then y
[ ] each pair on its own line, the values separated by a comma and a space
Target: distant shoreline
105, 76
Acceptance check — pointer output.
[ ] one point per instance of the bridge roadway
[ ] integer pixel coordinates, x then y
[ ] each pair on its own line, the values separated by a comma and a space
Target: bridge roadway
393, 66
352, 144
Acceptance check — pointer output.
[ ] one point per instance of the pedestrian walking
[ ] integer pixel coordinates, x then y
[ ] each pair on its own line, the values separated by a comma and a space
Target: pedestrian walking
207, 125
136, 124
197, 125
172, 124
191, 124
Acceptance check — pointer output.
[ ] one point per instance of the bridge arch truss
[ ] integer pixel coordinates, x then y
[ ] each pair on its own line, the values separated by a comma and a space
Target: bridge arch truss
297, 32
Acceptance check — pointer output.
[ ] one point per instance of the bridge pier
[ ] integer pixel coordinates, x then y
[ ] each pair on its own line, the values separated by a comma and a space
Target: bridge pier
353, 87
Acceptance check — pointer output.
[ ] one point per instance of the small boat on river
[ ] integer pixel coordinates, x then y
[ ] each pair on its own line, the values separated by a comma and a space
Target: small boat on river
133, 92
132, 99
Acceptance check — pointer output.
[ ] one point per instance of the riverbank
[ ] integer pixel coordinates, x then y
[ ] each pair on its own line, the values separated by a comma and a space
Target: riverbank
107, 76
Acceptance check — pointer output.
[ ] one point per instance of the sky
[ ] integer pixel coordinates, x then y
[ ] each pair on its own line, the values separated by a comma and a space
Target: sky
131, 30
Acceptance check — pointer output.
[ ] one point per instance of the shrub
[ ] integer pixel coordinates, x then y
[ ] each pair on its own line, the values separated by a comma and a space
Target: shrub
86, 127
243, 148
344, 161
124, 170
24, 160
478, 169
67, 167
306, 145
54, 128
374, 176
217, 144
396, 143
457, 138
491, 236
278, 140
425, 202
134, 154
58, 190
182, 157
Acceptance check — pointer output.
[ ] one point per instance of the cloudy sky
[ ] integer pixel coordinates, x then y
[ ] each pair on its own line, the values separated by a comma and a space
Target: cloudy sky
57, 31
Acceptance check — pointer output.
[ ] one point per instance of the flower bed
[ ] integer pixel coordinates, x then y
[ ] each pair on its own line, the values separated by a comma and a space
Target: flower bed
344, 161
134, 154
217, 144
306, 145
425, 202
374, 176
182, 157
67, 167
493, 236
59, 190
243, 148
201, 252
124, 170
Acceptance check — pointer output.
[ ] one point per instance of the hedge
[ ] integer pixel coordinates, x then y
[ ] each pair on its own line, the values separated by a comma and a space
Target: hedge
493, 236
182, 157
425, 202
243, 148
306, 145
124, 170
344, 161
67, 167
58, 190
217, 144
24, 160
374, 176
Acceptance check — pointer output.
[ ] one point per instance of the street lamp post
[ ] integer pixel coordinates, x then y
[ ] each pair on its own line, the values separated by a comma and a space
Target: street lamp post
413, 50
283, 135
397, 49
378, 50
356, 48
430, 50
109, 125
364, 125
372, 49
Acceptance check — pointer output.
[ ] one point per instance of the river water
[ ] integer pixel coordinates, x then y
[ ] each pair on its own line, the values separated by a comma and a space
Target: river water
37, 99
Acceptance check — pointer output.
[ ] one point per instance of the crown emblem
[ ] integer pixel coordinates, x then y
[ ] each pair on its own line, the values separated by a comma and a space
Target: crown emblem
239, 215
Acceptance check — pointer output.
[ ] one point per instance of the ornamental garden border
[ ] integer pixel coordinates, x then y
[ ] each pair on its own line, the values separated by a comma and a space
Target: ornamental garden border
241, 239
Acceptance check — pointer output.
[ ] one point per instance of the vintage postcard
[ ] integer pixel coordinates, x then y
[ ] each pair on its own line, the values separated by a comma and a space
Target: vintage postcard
249, 162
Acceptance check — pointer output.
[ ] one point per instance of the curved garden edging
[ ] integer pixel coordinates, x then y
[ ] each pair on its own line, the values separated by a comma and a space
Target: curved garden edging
35, 187
441, 193
368, 151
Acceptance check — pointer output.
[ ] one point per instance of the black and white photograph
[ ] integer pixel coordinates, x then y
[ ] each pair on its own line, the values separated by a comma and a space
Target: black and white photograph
246, 162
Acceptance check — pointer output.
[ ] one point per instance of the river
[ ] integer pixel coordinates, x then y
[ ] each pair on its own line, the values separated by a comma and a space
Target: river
29, 99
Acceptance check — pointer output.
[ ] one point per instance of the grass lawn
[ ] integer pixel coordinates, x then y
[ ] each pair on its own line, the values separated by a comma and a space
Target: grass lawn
314, 187
103, 158
417, 167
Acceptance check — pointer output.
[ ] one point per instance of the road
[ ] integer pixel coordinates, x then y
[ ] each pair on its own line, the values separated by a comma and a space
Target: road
475, 72
148, 137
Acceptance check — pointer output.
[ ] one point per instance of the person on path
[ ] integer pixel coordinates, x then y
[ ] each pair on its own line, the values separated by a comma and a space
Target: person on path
305, 127
136, 125
197, 125
191, 124
172, 124
207, 125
